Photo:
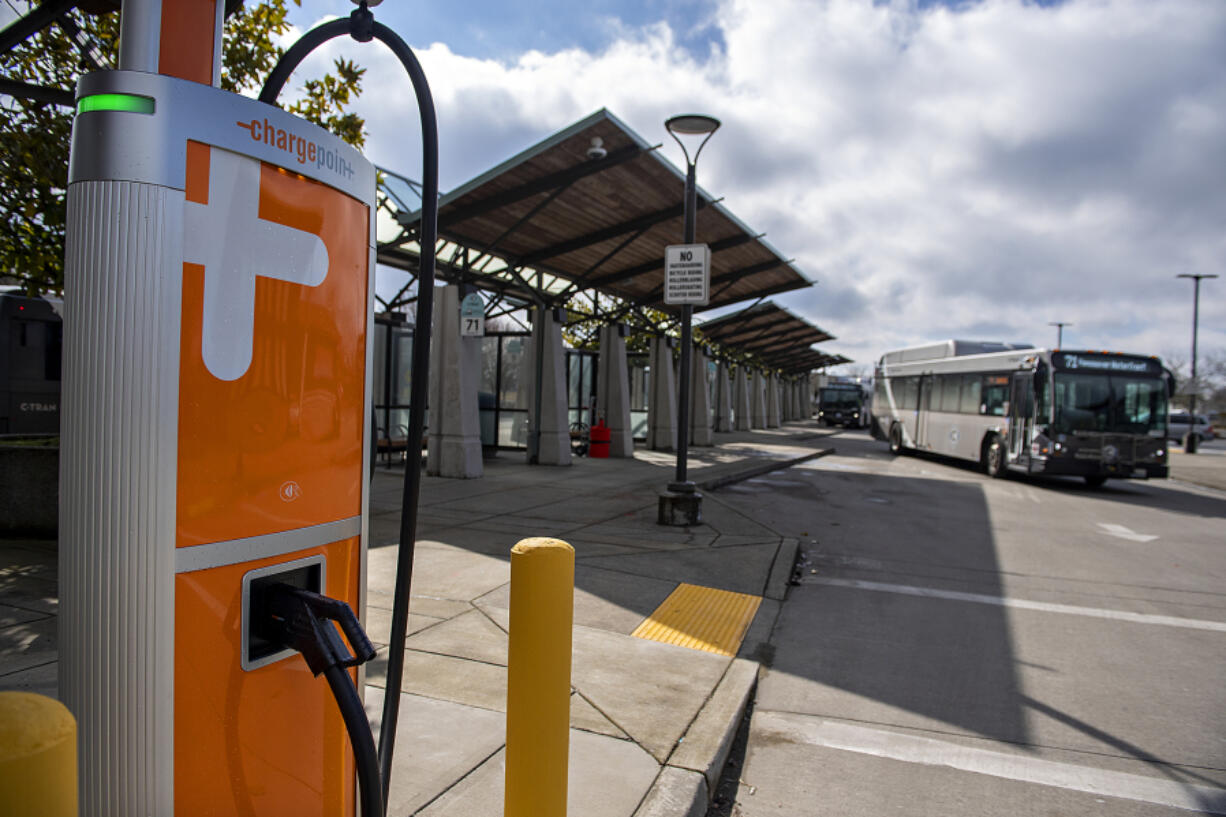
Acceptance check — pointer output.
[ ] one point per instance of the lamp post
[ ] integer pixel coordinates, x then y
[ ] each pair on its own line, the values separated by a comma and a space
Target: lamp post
682, 494
1060, 331
1190, 444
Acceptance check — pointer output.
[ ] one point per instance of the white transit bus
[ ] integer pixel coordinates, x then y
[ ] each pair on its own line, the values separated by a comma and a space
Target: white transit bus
1013, 407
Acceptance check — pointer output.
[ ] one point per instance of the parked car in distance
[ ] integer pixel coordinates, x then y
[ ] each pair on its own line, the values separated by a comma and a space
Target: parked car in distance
1181, 424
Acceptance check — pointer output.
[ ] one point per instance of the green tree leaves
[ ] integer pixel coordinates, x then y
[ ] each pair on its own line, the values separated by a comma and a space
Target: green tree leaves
35, 136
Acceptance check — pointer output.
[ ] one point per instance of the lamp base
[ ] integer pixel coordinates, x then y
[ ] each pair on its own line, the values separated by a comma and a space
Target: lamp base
680, 505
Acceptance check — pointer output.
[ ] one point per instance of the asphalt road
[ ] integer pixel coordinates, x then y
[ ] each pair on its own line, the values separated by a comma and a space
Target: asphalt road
957, 645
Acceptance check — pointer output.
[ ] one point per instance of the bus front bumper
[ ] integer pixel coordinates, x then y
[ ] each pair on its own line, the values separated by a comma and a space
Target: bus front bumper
1070, 467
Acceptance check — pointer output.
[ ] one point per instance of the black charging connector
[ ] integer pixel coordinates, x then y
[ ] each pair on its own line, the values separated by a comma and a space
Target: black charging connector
303, 620
298, 618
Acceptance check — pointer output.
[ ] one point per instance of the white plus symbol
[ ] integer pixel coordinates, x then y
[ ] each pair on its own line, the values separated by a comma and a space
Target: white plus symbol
235, 245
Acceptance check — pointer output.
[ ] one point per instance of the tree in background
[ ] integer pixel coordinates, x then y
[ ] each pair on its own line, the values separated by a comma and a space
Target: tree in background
35, 135
1211, 374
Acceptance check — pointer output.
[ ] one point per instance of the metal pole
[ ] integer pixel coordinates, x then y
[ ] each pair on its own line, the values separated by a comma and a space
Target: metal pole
1190, 444
1195, 322
687, 314
1059, 331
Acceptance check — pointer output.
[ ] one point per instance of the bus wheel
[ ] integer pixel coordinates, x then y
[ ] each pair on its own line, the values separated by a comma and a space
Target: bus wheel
896, 440
992, 457
1095, 480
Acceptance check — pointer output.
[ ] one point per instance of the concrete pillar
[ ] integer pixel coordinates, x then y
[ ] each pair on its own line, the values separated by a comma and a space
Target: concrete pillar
808, 396
744, 410
772, 401
554, 424
787, 392
662, 410
454, 445
757, 393
723, 398
613, 391
701, 430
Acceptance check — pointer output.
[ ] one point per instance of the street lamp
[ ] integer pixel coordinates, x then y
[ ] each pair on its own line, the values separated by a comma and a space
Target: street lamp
1190, 444
683, 495
1060, 331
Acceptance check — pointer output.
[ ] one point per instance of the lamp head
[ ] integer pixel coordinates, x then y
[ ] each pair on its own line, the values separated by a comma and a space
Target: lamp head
692, 123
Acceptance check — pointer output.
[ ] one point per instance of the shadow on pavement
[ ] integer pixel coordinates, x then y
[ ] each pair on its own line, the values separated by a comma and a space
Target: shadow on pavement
941, 660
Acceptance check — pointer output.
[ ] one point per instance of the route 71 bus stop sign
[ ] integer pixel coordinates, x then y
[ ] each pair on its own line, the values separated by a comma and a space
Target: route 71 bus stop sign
687, 274
472, 316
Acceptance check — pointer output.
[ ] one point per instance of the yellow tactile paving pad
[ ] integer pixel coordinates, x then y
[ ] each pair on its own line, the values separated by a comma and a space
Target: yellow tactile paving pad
701, 618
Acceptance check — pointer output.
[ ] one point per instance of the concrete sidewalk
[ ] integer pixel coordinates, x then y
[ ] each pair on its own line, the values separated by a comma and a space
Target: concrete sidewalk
651, 723
1206, 468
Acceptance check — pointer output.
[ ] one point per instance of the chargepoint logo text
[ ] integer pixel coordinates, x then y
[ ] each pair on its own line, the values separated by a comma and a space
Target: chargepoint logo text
304, 150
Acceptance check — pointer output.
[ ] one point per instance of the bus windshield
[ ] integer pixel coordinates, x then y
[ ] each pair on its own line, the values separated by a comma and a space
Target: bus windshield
840, 398
1118, 404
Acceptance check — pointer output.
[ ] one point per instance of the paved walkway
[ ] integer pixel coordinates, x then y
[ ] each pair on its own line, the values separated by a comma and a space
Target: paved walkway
650, 723
1207, 467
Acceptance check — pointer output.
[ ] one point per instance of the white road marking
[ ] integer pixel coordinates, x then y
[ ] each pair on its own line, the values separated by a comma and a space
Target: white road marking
1121, 532
929, 752
1021, 604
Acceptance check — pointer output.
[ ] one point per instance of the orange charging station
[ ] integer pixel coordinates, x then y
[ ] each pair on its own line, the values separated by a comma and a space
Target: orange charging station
219, 285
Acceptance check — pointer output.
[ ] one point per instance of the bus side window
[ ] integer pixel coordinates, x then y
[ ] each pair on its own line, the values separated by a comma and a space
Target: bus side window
995, 392
907, 400
971, 386
950, 387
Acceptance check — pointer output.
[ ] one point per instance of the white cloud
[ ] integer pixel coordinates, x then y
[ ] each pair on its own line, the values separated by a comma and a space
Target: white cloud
941, 173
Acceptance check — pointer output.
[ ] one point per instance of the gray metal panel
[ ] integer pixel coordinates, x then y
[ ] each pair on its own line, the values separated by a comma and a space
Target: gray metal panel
140, 35
117, 145
123, 277
252, 548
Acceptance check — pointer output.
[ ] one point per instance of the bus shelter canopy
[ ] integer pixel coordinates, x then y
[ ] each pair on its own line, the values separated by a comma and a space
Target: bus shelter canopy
771, 336
587, 210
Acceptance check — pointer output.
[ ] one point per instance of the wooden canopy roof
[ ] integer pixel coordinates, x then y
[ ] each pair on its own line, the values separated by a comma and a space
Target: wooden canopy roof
772, 335
602, 223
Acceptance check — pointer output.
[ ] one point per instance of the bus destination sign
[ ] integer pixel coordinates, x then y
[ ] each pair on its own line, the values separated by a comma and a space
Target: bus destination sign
1110, 364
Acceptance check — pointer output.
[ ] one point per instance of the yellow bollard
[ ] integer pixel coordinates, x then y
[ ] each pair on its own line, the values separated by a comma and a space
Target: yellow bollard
38, 756
538, 677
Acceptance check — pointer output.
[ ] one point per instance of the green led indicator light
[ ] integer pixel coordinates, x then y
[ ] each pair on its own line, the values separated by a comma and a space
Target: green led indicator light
130, 103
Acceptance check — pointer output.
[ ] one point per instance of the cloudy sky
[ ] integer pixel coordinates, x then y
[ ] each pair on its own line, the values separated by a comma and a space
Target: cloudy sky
966, 168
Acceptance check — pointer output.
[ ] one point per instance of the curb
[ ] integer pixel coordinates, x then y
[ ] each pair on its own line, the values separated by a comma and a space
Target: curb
759, 470
687, 782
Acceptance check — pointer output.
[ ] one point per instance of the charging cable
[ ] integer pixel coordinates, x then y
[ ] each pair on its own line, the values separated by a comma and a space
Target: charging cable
361, 25
303, 620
